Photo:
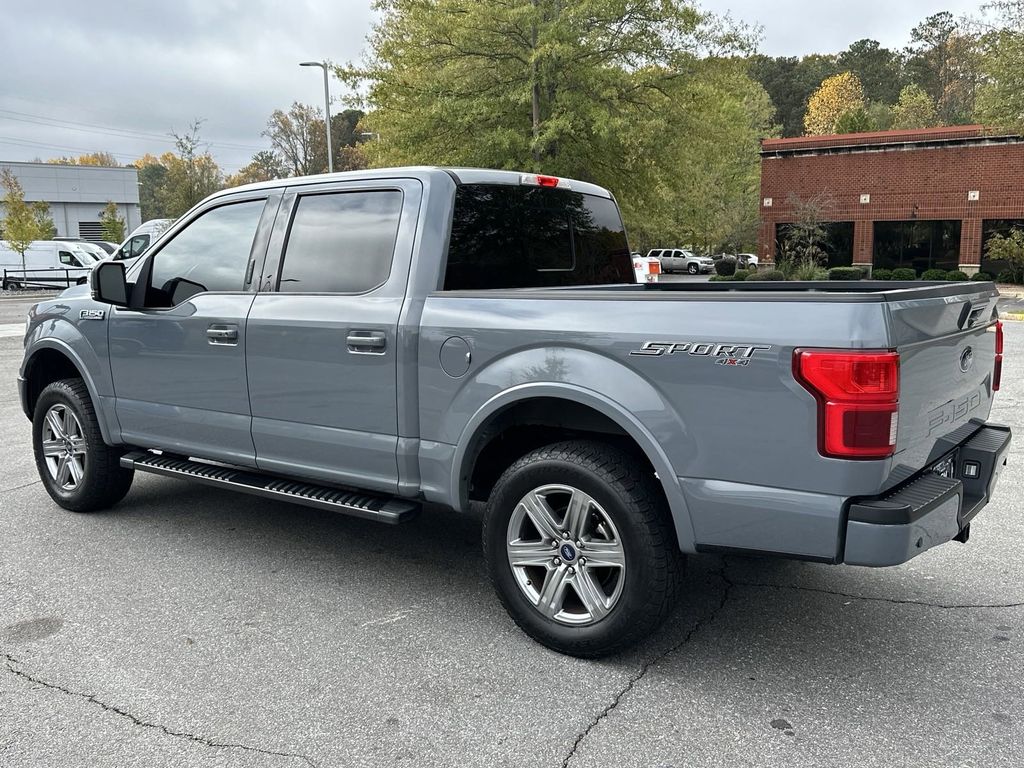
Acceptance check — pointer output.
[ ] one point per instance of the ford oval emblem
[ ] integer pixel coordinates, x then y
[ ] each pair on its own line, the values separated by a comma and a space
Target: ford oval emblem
568, 552
966, 360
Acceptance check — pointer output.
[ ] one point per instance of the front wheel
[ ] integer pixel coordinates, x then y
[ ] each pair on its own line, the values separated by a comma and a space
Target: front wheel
78, 470
693, 269
580, 548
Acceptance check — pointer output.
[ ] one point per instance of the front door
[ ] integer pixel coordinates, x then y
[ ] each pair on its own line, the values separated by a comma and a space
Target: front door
323, 348
178, 358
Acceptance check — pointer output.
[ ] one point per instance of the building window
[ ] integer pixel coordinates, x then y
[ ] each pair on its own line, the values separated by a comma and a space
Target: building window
835, 239
919, 245
991, 227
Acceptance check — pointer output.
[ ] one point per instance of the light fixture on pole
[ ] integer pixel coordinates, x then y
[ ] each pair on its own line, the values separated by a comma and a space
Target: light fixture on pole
327, 110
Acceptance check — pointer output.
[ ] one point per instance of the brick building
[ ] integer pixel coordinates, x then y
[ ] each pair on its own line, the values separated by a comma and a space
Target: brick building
922, 199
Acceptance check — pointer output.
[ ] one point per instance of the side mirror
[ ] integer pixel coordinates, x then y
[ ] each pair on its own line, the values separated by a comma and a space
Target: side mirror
108, 283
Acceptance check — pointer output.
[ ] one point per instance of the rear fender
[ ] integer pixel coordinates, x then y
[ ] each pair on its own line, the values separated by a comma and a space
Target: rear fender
628, 400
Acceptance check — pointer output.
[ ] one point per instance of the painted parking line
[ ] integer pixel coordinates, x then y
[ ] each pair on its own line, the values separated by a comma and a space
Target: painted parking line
12, 329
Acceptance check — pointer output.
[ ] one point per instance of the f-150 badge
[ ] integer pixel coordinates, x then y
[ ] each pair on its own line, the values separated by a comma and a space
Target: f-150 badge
722, 354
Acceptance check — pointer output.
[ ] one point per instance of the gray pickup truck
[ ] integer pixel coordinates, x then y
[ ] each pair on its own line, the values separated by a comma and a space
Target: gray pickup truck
370, 342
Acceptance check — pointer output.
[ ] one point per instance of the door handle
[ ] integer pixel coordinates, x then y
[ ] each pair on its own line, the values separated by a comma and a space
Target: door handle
366, 342
222, 334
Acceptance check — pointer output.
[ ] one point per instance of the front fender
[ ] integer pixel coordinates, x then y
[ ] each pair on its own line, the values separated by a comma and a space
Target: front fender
583, 377
84, 343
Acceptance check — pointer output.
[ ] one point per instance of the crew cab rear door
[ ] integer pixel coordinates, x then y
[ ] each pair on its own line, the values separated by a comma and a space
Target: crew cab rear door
322, 353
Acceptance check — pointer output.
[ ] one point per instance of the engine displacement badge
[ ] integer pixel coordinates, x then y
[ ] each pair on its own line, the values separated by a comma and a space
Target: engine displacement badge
722, 354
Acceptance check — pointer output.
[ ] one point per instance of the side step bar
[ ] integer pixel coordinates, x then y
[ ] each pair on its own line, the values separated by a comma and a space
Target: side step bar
356, 503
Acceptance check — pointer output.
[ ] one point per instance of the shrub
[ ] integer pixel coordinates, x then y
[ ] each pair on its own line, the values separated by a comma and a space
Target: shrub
724, 278
845, 273
881, 274
808, 269
726, 266
772, 274
1008, 276
741, 274
756, 276
956, 275
904, 273
981, 276
933, 274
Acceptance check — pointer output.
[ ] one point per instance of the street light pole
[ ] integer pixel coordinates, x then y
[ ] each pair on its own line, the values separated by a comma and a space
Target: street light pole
327, 110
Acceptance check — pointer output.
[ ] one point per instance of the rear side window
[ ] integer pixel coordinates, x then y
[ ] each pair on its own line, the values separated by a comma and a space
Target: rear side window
506, 236
342, 242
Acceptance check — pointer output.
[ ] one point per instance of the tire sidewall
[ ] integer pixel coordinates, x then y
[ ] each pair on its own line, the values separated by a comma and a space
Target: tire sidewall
55, 394
506, 496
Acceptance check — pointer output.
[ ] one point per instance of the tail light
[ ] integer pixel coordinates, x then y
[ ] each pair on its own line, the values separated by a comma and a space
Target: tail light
858, 397
997, 371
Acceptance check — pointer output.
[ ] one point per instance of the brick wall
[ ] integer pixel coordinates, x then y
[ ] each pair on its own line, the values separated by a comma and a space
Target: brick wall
908, 175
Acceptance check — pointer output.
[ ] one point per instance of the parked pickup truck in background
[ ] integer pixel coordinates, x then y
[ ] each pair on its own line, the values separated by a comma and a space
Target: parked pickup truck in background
369, 342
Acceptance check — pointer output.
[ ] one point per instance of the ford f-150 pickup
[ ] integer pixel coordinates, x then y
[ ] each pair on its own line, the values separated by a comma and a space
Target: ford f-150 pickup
370, 342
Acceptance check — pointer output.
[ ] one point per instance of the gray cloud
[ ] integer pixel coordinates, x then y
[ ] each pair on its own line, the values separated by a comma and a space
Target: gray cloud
118, 76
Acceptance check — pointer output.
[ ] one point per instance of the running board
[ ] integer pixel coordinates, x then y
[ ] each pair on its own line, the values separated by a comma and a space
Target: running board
384, 509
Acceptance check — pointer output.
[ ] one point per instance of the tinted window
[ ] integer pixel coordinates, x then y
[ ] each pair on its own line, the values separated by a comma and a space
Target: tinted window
341, 243
507, 236
211, 253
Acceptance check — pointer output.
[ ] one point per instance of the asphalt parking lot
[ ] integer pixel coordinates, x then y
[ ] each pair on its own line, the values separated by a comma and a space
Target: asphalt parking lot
190, 626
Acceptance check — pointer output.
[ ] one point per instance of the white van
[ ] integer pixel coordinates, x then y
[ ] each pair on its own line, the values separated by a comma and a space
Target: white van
48, 264
141, 238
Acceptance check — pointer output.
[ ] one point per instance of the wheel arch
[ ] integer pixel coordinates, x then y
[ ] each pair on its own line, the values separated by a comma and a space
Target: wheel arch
52, 360
579, 411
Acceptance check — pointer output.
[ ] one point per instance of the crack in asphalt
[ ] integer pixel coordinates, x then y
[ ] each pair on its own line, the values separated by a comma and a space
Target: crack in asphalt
11, 660
19, 487
646, 666
893, 600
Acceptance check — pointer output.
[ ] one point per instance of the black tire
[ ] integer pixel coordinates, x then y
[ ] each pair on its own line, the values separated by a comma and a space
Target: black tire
693, 269
103, 482
630, 496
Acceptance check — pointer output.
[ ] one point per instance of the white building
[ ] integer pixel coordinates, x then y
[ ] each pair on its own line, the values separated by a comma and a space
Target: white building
77, 194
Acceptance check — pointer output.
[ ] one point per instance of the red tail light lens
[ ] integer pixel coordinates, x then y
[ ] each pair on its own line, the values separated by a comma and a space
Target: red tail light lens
997, 371
858, 398
547, 181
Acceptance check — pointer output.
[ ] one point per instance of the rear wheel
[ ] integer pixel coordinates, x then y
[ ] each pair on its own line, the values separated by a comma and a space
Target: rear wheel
580, 548
78, 470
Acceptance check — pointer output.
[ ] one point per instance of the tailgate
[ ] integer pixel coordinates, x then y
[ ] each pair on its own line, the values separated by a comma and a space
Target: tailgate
947, 357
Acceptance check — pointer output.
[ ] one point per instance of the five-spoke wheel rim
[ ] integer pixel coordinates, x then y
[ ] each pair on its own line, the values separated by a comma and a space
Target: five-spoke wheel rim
64, 447
566, 554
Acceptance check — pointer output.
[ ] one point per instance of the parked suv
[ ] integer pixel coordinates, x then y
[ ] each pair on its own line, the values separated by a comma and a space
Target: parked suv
681, 260
372, 341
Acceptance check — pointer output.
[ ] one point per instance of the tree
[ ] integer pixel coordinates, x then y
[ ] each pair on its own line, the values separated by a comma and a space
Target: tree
23, 222
804, 239
112, 223
298, 137
191, 174
855, 121
944, 59
642, 97
530, 84
879, 70
264, 166
837, 96
790, 82
1009, 248
1000, 102
152, 176
915, 109
104, 159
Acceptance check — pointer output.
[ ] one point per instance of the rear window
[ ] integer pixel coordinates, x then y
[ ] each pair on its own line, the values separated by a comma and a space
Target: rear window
507, 236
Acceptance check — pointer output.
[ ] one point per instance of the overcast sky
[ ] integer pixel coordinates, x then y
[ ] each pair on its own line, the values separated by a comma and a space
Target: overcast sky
95, 75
